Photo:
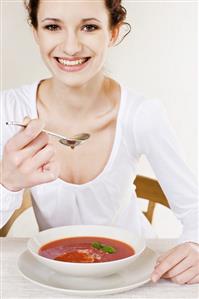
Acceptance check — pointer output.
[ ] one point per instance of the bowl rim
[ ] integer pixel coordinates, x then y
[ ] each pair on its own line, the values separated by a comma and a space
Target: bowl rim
36, 254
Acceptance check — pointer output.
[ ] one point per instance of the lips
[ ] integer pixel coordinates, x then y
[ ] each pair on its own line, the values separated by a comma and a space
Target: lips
72, 62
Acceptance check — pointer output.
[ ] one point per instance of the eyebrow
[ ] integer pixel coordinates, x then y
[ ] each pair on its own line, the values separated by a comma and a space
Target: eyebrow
91, 19
59, 21
51, 19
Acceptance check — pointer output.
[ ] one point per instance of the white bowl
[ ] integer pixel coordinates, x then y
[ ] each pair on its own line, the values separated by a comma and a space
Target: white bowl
86, 269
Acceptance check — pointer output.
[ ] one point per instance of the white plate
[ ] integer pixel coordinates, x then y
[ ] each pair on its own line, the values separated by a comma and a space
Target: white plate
133, 277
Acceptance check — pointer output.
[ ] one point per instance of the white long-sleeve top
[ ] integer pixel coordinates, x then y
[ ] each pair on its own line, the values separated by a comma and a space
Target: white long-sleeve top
110, 199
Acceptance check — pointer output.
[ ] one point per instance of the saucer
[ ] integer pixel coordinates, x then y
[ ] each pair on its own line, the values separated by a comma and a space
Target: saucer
132, 277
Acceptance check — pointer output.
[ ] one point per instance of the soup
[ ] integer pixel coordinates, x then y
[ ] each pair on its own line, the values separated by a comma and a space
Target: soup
86, 250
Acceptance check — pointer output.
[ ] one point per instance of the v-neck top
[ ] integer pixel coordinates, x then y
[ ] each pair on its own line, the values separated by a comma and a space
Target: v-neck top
142, 128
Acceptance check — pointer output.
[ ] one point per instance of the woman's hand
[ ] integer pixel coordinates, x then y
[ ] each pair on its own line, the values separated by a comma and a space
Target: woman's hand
180, 264
28, 158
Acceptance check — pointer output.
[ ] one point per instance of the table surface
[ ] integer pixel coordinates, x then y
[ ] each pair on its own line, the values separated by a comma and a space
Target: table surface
13, 285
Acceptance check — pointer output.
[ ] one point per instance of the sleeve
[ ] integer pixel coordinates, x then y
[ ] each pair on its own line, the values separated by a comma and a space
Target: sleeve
156, 139
9, 201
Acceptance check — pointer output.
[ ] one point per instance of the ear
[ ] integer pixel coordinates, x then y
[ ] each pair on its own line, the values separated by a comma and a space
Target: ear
114, 35
35, 34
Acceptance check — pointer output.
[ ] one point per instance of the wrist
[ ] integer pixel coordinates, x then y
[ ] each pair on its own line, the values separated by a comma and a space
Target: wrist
4, 183
11, 188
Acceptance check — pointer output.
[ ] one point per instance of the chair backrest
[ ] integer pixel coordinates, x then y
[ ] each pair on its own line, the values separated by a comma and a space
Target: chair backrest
146, 188
26, 203
150, 189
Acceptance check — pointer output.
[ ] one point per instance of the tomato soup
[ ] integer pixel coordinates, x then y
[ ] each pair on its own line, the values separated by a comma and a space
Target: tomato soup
86, 250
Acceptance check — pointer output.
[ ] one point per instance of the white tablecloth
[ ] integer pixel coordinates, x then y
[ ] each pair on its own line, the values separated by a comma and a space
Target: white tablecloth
13, 285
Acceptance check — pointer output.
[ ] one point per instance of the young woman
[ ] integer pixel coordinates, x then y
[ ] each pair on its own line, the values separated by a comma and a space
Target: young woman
93, 183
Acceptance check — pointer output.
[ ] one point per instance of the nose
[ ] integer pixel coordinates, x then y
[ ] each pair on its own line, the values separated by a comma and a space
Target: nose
72, 44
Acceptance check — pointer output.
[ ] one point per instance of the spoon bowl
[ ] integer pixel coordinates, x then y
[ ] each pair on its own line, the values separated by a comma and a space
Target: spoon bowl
81, 137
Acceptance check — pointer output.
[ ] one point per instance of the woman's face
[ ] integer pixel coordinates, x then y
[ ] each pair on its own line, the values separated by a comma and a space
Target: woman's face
73, 38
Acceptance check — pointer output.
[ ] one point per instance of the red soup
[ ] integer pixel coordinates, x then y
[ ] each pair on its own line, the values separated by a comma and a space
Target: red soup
86, 250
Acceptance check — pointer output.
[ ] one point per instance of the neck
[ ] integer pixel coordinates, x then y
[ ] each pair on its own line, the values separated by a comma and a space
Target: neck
73, 101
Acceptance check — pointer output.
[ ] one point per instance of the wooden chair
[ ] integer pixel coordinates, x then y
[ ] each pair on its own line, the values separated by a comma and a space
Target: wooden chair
150, 189
26, 203
146, 188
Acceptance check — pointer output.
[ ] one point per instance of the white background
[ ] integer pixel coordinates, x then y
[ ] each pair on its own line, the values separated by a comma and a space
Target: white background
158, 58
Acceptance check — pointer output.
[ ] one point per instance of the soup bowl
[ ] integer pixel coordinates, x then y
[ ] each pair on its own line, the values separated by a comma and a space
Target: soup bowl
98, 232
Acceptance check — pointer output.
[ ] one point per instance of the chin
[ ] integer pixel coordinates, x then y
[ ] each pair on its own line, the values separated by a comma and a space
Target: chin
74, 81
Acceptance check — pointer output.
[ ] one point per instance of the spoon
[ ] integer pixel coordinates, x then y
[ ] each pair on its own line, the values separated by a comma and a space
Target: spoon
72, 142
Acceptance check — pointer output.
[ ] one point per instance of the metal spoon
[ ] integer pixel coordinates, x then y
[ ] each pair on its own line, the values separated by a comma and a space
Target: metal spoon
72, 142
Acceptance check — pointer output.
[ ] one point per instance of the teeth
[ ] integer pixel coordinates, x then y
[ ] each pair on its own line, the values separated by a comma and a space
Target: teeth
73, 62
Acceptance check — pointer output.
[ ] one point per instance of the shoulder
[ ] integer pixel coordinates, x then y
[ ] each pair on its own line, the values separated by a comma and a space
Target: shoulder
16, 104
132, 98
141, 109
22, 95
151, 113
145, 117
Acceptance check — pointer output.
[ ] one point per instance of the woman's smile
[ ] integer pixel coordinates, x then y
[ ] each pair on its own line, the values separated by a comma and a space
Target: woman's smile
74, 64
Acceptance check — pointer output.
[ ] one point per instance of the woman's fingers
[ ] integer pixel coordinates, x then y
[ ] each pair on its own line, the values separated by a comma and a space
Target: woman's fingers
28, 158
186, 276
18, 157
34, 146
49, 173
179, 268
37, 161
52, 166
194, 280
43, 156
181, 265
167, 263
25, 136
26, 120
163, 256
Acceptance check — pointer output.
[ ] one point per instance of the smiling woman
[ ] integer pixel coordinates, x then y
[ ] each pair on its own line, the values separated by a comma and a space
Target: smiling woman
93, 183
70, 31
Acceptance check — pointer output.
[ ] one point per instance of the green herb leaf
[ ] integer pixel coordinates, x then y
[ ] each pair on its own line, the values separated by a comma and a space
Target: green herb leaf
97, 245
104, 247
109, 249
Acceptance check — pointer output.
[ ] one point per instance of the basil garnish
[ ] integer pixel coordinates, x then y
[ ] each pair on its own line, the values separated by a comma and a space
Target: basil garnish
103, 247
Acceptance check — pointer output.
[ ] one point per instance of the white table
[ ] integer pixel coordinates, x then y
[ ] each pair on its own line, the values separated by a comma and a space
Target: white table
13, 285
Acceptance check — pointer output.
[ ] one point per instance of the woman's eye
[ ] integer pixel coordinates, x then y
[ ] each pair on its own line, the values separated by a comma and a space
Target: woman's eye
52, 27
90, 28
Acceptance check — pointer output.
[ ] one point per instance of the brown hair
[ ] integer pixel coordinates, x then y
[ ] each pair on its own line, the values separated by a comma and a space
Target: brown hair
115, 8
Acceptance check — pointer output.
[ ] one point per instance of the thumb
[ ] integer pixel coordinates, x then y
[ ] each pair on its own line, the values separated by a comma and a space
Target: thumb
26, 120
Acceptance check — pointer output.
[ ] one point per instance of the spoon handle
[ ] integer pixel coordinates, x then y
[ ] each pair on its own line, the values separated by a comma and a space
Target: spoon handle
15, 123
